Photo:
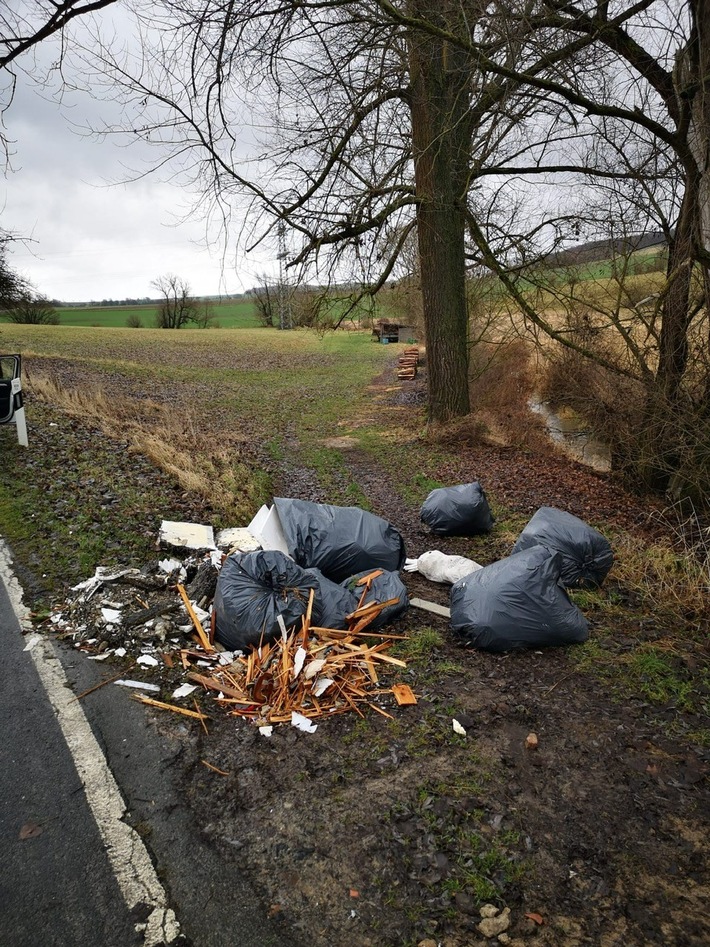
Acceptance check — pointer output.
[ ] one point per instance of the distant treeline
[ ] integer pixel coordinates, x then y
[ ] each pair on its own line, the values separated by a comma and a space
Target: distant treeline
144, 301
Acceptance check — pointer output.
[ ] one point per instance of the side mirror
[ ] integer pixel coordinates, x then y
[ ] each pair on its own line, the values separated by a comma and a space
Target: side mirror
12, 405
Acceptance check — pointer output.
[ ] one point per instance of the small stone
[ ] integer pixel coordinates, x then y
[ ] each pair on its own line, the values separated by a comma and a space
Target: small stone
504, 938
489, 910
493, 926
427, 943
531, 741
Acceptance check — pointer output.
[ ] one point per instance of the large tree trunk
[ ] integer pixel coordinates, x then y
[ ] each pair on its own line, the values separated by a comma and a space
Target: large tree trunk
669, 453
440, 84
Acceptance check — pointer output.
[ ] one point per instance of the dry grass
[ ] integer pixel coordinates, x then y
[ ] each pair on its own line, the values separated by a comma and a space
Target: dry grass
671, 575
171, 439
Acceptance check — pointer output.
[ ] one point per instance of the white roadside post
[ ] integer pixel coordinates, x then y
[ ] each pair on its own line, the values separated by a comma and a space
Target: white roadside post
19, 415
12, 405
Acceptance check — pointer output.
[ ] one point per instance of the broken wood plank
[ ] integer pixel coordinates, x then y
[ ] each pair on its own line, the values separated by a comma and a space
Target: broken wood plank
213, 684
432, 607
375, 607
204, 640
367, 579
380, 711
108, 680
161, 705
404, 695
197, 708
307, 619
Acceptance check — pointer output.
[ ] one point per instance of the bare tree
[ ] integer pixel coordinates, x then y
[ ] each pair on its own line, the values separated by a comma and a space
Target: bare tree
25, 24
371, 119
626, 124
13, 288
371, 108
177, 307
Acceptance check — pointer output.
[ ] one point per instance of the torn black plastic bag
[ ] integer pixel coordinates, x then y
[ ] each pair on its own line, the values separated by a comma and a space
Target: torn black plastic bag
382, 589
457, 511
587, 556
338, 540
333, 602
517, 602
253, 589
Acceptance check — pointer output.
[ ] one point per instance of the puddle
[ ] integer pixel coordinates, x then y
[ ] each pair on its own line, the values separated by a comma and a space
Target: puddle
569, 432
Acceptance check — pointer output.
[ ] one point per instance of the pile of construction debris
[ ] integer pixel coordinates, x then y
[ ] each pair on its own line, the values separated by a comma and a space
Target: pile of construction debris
293, 604
161, 623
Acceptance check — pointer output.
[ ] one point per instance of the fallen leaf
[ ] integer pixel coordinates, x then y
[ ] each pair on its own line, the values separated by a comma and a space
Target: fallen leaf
354, 893
30, 830
538, 918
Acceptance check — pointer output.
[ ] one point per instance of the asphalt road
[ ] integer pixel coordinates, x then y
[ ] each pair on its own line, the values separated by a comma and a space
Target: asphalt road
57, 884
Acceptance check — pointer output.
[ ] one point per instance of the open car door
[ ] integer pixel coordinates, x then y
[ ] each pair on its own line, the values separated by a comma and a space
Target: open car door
12, 408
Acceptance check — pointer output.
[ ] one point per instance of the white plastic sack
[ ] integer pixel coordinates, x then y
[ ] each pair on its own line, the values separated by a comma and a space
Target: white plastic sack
439, 567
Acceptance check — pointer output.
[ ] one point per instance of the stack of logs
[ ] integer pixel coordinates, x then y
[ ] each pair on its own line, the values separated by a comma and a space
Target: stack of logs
408, 363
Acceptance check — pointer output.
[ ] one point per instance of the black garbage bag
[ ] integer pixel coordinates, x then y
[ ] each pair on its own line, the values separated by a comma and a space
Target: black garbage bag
458, 511
382, 589
253, 589
338, 540
587, 556
333, 602
517, 602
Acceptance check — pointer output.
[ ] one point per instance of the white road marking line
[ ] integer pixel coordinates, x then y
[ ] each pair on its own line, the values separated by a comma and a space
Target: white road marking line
129, 858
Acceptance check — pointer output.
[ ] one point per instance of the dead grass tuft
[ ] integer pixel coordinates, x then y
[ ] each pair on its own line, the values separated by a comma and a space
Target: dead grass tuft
672, 577
502, 383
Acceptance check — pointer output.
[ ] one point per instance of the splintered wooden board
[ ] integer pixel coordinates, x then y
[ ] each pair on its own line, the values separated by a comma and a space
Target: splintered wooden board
404, 695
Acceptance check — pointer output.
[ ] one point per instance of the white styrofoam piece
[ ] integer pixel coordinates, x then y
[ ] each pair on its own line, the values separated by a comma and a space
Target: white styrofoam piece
302, 723
186, 535
147, 660
268, 531
259, 519
184, 690
237, 537
140, 685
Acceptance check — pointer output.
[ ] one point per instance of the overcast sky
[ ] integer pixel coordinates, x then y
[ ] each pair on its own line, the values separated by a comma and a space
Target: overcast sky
91, 238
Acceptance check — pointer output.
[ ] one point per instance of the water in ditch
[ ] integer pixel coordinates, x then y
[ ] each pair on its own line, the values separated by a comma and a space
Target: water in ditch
570, 433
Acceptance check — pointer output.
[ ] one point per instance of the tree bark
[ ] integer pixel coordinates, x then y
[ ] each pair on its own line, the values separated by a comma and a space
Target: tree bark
440, 78
671, 411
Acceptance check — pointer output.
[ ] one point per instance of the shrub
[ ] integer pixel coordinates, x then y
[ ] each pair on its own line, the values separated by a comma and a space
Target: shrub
35, 311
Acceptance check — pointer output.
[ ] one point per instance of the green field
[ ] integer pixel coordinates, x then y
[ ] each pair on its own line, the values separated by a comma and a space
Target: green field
229, 314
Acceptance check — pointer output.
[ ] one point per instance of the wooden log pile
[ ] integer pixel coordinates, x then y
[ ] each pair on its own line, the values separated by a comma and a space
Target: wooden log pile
408, 363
